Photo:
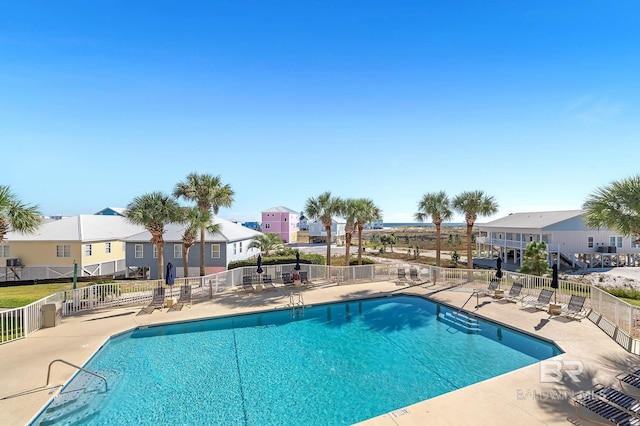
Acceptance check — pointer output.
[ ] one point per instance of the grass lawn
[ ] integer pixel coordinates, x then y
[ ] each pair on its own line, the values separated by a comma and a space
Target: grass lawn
17, 296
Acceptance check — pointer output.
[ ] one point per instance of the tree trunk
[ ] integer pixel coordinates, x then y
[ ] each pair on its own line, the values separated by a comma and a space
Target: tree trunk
438, 244
185, 255
469, 255
328, 229
202, 231
347, 248
160, 249
359, 245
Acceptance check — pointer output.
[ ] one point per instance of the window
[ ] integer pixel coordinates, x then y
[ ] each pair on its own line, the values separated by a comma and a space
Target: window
235, 249
177, 251
215, 251
4, 250
124, 247
63, 250
267, 225
139, 251
88, 249
590, 242
635, 242
107, 248
615, 241
154, 252
240, 246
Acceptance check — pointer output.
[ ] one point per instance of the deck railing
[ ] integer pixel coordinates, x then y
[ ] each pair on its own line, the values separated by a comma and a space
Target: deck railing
616, 317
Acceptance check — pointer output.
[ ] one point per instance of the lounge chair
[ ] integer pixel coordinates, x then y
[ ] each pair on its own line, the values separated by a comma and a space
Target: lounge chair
490, 291
304, 278
286, 279
630, 378
157, 302
541, 303
515, 293
267, 283
617, 397
247, 283
574, 309
600, 406
184, 299
402, 277
414, 277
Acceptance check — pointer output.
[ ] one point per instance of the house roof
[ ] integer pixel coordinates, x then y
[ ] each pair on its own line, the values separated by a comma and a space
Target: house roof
279, 209
229, 232
119, 210
535, 220
80, 228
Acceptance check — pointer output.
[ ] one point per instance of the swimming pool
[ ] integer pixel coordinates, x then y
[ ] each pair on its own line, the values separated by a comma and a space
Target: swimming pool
332, 364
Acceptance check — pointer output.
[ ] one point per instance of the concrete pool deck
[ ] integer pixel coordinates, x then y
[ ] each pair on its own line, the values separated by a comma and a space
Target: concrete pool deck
519, 397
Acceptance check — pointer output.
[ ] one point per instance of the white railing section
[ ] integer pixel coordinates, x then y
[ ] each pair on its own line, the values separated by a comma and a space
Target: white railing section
513, 243
620, 317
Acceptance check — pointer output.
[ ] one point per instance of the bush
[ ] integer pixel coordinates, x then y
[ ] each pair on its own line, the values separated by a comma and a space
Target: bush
315, 259
624, 293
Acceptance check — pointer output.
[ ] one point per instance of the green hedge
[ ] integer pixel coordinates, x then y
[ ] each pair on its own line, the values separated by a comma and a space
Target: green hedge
625, 293
365, 261
314, 259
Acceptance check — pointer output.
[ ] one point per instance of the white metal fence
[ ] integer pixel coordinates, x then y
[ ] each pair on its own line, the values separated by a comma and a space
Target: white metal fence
616, 317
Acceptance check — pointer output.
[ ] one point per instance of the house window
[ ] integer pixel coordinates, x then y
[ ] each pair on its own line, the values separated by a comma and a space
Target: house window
177, 251
139, 251
590, 242
635, 242
107, 248
215, 251
88, 249
124, 247
63, 250
240, 246
615, 241
235, 248
267, 226
4, 250
154, 252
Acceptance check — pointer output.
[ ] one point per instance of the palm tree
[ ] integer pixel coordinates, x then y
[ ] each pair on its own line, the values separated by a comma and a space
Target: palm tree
348, 209
366, 212
323, 208
616, 206
266, 243
16, 215
194, 219
209, 193
153, 210
437, 206
473, 204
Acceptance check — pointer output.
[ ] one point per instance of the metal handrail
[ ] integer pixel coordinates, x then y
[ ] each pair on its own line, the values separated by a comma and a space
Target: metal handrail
106, 385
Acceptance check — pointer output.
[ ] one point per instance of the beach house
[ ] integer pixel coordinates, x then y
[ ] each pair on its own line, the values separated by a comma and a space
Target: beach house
93, 242
570, 243
229, 244
282, 221
318, 234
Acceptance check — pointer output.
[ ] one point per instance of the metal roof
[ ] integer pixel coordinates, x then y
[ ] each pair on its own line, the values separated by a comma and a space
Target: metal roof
532, 220
80, 228
279, 209
229, 232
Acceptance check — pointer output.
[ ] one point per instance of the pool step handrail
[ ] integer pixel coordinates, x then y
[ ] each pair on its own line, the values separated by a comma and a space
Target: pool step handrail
455, 317
106, 385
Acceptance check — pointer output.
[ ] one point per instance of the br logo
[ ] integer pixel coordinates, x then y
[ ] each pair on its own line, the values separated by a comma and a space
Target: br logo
555, 370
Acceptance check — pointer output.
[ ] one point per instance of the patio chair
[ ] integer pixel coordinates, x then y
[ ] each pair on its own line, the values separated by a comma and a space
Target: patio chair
157, 301
617, 397
267, 282
515, 293
490, 291
184, 299
574, 309
247, 283
286, 279
414, 277
541, 303
304, 278
597, 405
402, 277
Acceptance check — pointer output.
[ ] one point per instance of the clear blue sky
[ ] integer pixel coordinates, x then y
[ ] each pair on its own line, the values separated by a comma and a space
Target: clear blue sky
533, 102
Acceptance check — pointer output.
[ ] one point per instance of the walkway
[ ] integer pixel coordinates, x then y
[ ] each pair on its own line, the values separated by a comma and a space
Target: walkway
514, 398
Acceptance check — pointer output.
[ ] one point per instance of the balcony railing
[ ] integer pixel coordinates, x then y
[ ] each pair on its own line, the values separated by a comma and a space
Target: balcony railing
513, 243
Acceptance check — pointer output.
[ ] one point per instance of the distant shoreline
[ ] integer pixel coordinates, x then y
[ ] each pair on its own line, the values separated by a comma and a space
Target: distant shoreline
415, 224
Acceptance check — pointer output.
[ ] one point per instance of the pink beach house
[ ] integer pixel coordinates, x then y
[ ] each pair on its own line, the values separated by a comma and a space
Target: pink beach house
282, 221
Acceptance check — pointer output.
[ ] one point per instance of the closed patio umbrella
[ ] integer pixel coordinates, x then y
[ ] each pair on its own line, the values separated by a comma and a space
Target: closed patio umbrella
554, 281
259, 270
297, 267
170, 276
499, 267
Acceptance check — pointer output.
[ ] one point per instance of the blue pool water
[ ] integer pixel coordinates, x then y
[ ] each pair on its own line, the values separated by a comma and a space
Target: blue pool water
333, 364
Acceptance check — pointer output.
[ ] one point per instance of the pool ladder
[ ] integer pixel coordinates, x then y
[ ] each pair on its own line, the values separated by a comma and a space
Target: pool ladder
297, 307
106, 385
467, 323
